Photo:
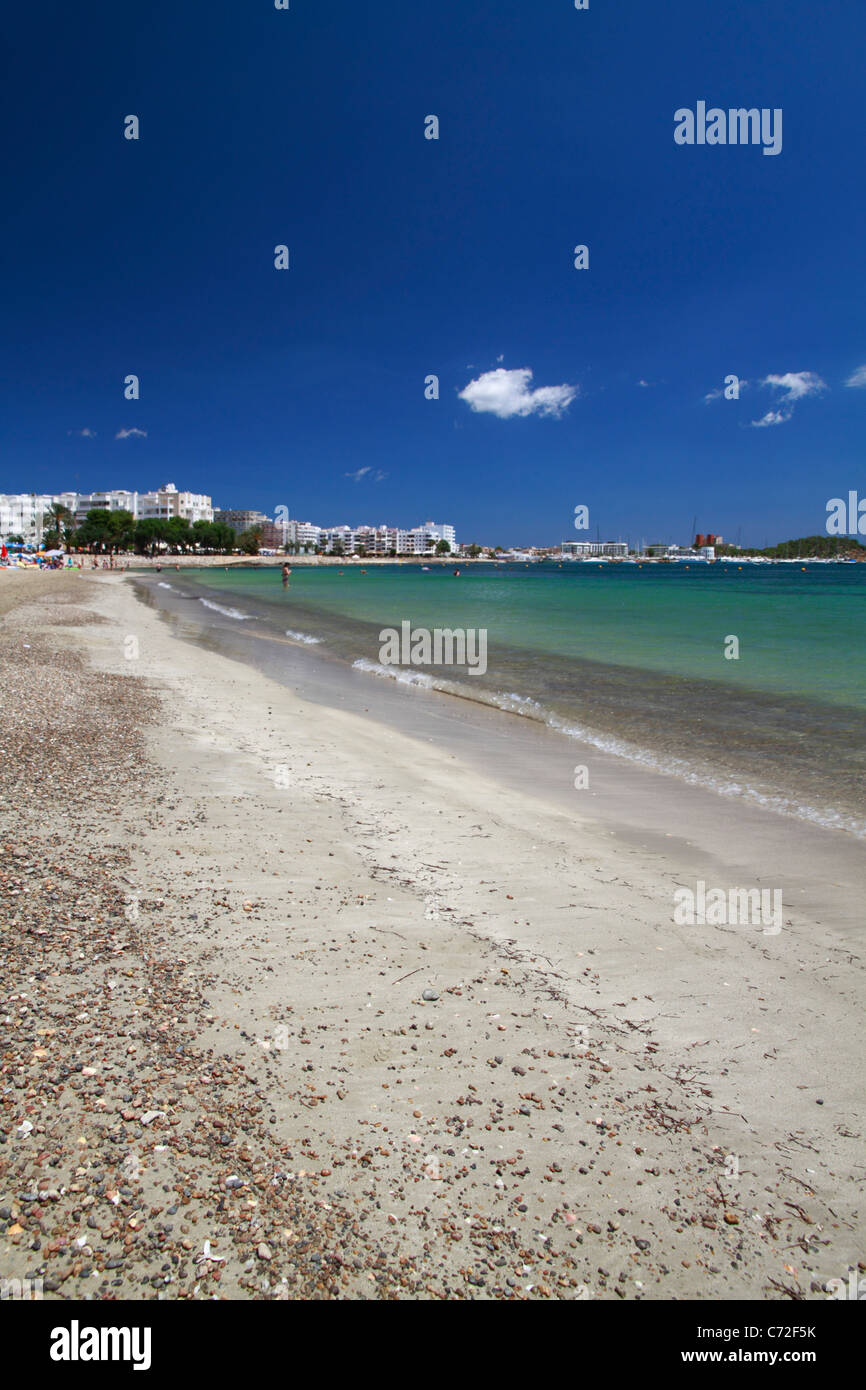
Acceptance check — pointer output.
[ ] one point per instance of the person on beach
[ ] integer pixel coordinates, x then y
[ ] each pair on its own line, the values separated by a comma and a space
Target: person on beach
286, 573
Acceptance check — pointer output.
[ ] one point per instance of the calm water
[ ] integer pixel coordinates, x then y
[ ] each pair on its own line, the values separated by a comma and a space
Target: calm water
628, 658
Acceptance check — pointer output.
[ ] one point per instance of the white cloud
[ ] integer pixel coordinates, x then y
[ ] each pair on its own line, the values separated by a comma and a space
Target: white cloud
83, 434
133, 433
507, 393
378, 475
795, 387
857, 378
796, 384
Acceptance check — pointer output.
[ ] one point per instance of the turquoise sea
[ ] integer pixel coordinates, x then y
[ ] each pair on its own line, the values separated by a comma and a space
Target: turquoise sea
629, 658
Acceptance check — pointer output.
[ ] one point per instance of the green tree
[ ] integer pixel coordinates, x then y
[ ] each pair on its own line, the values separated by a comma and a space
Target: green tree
57, 524
105, 529
178, 533
123, 530
443, 547
148, 533
249, 541
225, 539
213, 536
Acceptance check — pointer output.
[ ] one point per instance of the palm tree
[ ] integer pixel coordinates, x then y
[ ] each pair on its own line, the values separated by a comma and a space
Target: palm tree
55, 518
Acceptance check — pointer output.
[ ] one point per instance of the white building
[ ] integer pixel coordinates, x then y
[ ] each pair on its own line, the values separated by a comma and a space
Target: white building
386, 540
303, 534
21, 514
583, 550
80, 503
431, 533
167, 502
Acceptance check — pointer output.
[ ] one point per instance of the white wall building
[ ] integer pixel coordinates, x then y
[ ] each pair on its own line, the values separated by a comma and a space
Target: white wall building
584, 550
303, 534
80, 503
22, 513
429, 535
167, 502
386, 540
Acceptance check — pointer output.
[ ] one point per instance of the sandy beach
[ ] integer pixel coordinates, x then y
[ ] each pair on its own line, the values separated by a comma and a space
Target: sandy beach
297, 1005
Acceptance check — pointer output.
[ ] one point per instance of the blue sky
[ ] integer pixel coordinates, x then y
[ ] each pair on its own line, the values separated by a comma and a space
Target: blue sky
455, 257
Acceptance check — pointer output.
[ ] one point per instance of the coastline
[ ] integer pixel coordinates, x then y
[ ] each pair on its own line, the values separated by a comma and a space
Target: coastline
786, 749
148, 562
366, 867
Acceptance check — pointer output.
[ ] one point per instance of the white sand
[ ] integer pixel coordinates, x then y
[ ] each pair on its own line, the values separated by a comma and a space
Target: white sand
375, 866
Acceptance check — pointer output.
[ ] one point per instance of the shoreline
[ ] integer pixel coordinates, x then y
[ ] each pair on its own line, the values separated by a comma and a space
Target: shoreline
751, 745
557, 1121
131, 563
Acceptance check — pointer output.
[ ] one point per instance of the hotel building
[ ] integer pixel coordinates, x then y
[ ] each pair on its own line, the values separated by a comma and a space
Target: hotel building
21, 514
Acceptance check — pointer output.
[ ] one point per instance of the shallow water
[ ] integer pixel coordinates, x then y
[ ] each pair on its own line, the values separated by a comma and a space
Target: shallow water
628, 659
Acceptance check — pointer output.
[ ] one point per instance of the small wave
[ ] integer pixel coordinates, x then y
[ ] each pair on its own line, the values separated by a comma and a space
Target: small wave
162, 585
227, 612
303, 637
399, 674
527, 708
728, 787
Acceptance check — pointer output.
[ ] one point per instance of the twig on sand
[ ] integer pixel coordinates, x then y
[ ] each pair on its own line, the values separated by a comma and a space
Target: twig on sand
796, 1294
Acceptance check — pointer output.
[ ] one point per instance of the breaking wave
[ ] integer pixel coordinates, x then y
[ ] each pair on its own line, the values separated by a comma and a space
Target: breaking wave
227, 612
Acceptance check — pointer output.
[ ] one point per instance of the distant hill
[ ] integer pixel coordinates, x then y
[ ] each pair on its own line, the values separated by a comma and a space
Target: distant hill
807, 547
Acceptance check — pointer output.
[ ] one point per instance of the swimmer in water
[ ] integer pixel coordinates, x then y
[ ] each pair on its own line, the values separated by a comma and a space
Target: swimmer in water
287, 570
